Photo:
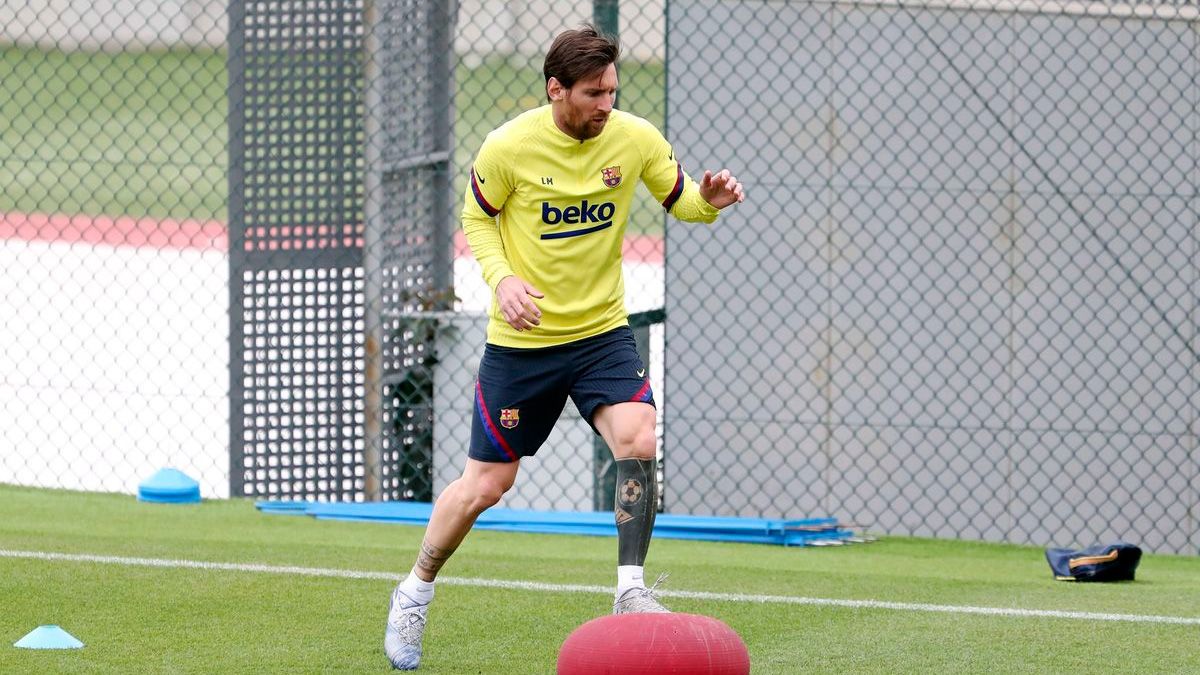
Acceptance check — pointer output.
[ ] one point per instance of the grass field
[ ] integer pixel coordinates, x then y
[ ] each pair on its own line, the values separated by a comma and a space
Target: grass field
145, 134
137, 618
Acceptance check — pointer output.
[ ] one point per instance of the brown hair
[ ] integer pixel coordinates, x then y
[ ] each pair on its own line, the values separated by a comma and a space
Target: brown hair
577, 54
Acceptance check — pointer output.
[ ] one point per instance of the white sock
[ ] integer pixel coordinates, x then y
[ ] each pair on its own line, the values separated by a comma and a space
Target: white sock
416, 590
629, 576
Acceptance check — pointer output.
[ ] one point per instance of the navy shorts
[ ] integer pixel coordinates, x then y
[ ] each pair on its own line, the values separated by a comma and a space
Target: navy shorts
520, 393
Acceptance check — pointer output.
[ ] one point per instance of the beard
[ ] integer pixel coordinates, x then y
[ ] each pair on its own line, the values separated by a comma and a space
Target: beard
589, 128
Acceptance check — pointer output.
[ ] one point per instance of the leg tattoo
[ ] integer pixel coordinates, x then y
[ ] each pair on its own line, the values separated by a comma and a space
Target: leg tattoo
431, 558
636, 506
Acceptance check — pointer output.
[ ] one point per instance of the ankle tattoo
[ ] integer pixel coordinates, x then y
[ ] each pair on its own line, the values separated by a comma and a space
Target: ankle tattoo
431, 558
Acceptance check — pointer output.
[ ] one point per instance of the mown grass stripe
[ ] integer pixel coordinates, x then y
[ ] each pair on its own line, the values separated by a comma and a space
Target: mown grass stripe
576, 588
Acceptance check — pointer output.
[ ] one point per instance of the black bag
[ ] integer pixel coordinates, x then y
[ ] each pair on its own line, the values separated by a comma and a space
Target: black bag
1111, 562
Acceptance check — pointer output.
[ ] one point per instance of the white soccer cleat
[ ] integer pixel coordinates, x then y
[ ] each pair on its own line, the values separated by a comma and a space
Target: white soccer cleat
641, 600
405, 628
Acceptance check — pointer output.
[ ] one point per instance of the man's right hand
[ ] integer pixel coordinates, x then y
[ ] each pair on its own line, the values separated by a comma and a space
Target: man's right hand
515, 296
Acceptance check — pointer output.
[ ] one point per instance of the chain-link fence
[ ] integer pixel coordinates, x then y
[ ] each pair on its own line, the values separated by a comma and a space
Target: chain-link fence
963, 302
962, 299
113, 175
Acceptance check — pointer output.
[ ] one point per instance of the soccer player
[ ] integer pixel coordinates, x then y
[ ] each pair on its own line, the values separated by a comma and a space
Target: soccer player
545, 215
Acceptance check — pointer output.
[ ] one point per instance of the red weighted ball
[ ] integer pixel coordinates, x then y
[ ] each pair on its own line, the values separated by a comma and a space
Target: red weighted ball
653, 644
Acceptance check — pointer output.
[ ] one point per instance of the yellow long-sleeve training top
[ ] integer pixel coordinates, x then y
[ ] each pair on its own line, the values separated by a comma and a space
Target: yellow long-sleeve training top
552, 210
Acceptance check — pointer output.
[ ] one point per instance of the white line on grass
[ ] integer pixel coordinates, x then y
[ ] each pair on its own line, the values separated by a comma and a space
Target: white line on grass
575, 588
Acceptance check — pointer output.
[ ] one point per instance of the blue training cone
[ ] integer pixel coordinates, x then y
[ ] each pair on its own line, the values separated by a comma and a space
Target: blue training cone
48, 637
169, 486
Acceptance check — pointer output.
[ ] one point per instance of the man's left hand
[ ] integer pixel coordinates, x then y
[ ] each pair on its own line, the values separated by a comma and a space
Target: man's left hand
722, 189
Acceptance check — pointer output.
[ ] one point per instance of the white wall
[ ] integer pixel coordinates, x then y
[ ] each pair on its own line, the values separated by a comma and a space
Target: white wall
113, 25
484, 26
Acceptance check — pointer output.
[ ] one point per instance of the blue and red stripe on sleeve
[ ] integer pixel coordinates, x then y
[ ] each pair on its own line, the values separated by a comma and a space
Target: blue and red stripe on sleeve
479, 198
676, 191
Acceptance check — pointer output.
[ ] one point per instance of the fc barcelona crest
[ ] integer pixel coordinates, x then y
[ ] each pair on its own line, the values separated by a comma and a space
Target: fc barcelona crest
509, 417
612, 176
